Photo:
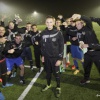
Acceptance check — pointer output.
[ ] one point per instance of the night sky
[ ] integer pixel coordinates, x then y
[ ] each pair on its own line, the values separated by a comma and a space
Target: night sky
54, 7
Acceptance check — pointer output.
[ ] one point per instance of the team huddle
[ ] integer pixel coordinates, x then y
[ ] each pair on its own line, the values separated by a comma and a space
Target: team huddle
52, 46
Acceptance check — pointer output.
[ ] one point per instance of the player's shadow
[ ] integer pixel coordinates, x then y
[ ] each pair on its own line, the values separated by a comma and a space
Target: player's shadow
66, 77
41, 86
69, 78
29, 75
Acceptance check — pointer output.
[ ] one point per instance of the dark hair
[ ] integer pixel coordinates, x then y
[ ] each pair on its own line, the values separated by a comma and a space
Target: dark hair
58, 19
2, 26
28, 23
11, 22
18, 34
34, 25
49, 16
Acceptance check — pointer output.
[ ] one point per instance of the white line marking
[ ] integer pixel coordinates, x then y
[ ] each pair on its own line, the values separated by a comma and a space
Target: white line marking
98, 95
25, 92
29, 66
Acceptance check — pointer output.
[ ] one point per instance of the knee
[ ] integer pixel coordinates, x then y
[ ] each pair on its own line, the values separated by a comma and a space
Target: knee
21, 67
57, 75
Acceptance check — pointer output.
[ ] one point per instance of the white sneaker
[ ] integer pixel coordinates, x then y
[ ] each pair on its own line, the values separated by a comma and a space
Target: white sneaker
13, 74
22, 81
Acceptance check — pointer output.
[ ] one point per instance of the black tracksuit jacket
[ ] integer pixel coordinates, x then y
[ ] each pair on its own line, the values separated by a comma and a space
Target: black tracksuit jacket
71, 32
89, 36
18, 48
36, 37
52, 43
2, 46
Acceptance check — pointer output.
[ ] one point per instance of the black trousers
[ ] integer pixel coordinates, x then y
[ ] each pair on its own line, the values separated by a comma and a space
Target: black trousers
49, 67
3, 67
89, 59
37, 54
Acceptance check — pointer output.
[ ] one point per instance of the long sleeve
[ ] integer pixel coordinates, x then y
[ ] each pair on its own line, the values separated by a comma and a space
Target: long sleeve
7, 47
61, 45
94, 46
41, 44
97, 20
88, 22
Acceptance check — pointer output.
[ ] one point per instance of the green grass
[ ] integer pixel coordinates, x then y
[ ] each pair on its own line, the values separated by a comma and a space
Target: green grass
41, 27
71, 88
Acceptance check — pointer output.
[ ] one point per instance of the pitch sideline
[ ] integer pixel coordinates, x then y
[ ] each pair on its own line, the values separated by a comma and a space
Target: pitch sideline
25, 92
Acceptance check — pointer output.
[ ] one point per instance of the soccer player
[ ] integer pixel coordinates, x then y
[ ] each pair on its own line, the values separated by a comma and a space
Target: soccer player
13, 52
91, 43
27, 51
3, 67
36, 44
76, 52
69, 26
52, 45
59, 25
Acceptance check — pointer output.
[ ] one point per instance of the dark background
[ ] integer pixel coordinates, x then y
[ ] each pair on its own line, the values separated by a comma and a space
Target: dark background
49, 7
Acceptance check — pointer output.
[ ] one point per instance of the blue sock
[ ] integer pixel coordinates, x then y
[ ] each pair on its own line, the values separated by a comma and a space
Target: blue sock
76, 64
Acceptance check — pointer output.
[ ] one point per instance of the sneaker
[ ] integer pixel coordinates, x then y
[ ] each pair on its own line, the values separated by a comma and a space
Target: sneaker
7, 85
62, 69
73, 67
46, 88
58, 92
13, 74
22, 81
84, 81
76, 72
67, 64
31, 67
0, 80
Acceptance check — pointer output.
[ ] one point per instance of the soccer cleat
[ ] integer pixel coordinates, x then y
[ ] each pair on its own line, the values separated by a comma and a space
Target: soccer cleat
67, 64
73, 67
31, 67
13, 74
46, 88
31, 64
76, 72
84, 81
0, 80
7, 85
58, 92
62, 69
22, 81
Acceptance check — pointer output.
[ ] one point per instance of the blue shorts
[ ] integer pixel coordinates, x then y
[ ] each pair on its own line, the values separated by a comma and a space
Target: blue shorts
11, 61
76, 52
